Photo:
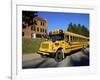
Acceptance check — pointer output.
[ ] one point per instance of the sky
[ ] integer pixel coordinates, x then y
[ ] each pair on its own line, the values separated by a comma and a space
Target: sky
59, 20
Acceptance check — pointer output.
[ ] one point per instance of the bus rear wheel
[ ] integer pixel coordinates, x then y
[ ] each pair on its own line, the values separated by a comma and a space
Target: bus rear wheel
59, 55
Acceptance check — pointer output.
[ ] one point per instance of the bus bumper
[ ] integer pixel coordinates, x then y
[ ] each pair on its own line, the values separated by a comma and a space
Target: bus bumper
46, 53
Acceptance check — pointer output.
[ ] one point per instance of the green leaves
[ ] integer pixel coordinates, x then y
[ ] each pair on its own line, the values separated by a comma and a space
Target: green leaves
27, 17
78, 29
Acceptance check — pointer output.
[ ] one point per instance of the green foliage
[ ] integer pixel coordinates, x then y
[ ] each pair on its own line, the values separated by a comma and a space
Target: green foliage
78, 29
27, 17
30, 45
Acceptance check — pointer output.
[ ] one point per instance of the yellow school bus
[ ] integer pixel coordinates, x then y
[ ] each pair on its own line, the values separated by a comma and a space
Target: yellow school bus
62, 43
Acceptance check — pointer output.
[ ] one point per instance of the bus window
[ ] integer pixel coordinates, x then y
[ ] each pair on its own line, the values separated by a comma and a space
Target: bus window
67, 37
57, 37
81, 39
74, 38
71, 38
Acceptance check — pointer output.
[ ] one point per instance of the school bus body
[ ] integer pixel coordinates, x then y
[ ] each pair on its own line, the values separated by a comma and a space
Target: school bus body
70, 43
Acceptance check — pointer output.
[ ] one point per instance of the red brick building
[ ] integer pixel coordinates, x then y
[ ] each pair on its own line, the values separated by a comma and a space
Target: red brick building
38, 29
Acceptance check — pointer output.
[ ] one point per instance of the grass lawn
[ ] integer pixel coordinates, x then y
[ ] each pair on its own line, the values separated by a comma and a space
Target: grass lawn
30, 45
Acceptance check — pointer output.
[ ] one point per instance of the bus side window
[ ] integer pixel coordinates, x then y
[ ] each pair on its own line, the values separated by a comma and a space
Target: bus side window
74, 38
67, 38
71, 38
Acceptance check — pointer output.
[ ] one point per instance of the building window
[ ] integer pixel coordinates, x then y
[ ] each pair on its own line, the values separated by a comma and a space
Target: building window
35, 22
41, 23
38, 35
37, 29
34, 28
22, 33
41, 30
31, 27
23, 26
45, 31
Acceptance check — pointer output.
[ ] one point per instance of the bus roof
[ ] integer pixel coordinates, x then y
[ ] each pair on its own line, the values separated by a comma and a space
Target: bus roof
68, 33
74, 34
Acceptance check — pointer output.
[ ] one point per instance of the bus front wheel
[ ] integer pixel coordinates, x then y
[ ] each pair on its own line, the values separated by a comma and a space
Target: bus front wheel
59, 55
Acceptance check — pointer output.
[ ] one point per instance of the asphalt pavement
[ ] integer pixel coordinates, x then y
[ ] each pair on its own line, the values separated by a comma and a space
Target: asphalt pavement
34, 60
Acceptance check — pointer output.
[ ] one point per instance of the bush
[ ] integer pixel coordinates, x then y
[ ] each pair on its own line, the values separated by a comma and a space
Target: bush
30, 45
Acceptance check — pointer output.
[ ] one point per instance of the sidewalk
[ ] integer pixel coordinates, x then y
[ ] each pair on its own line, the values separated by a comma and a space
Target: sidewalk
30, 56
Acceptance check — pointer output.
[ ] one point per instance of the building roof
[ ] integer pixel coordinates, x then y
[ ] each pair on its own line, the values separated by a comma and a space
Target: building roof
40, 18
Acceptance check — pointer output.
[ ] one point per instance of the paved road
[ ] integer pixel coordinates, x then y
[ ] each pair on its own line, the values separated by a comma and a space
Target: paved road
79, 58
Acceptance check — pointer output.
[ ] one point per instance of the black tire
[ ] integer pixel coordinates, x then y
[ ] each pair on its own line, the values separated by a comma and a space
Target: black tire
44, 56
59, 55
83, 49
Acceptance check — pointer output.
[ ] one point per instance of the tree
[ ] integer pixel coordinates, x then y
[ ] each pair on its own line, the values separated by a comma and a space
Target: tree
78, 29
70, 27
27, 17
85, 31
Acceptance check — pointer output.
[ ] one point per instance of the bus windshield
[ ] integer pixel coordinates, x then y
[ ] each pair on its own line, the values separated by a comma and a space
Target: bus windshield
57, 37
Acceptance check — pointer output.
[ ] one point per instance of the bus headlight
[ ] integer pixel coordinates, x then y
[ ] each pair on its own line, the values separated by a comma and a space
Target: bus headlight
52, 50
